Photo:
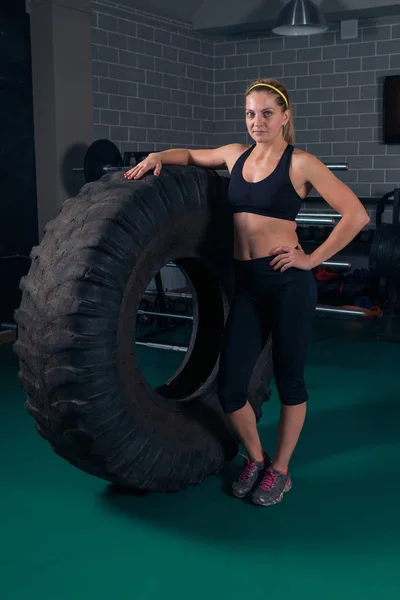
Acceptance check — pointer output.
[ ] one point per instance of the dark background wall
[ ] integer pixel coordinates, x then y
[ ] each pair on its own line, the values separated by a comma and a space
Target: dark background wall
18, 222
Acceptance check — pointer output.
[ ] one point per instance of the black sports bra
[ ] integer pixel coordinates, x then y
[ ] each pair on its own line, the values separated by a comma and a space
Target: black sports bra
273, 196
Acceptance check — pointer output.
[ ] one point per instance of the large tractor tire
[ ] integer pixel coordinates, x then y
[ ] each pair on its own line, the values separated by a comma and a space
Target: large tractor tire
77, 328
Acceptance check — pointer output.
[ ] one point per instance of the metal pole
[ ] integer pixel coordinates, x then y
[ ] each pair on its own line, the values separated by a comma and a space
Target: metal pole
338, 166
105, 169
301, 219
159, 314
162, 346
341, 311
320, 215
169, 294
8, 326
339, 265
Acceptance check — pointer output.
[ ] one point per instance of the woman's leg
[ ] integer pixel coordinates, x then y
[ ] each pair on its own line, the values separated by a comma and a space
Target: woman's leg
293, 310
290, 426
244, 423
244, 339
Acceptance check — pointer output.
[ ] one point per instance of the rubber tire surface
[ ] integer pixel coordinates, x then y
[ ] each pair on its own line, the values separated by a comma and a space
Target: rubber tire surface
76, 330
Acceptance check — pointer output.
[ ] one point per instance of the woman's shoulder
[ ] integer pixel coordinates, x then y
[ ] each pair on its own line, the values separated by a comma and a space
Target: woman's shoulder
233, 152
237, 149
301, 157
306, 165
298, 151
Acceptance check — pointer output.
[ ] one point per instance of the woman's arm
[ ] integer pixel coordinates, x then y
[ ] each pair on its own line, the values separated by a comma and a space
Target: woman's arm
341, 198
215, 158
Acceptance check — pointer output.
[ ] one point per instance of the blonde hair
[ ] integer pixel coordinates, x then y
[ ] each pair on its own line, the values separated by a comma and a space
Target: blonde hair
282, 99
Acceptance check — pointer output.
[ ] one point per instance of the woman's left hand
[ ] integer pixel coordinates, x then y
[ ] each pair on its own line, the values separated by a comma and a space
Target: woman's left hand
288, 257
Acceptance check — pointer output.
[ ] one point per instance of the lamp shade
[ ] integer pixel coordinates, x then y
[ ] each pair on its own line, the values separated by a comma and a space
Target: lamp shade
300, 17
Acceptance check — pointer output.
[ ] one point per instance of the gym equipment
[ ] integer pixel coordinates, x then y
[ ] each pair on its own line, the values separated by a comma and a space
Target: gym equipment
330, 216
337, 166
385, 247
103, 157
157, 346
169, 294
366, 237
78, 366
337, 264
99, 159
306, 219
320, 233
384, 260
304, 233
8, 326
339, 311
159, 314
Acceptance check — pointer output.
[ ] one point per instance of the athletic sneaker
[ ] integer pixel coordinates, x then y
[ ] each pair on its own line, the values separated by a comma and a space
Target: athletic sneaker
250, 476
272, 487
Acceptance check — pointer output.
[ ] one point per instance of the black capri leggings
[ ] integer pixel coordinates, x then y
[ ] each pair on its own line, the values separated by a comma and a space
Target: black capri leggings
267, 301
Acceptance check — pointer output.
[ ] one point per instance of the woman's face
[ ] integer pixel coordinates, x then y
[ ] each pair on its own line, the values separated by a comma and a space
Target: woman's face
264, 117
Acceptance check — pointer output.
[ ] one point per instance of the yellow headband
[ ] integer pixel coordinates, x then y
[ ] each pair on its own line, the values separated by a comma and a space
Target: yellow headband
273, 88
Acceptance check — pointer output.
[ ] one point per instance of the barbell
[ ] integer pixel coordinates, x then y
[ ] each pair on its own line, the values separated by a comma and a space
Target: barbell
103, 157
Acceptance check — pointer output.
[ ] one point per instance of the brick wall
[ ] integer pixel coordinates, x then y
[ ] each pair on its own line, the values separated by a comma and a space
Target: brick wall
153, 81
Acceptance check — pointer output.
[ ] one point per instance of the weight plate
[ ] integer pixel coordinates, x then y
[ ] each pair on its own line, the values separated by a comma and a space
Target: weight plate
385, 251
380, 208
396, 254
372, 254
388, 243
100, 154
381, 246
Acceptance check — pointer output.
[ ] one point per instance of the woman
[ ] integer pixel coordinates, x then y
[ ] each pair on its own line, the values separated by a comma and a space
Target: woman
275, 288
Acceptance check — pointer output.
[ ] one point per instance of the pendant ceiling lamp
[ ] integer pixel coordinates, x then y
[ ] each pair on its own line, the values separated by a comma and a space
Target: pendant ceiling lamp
300, 17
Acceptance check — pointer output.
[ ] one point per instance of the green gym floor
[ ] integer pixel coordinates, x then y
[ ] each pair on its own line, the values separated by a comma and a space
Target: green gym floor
67, 536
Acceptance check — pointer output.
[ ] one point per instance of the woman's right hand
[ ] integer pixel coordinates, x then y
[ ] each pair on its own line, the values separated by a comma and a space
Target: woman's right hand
152, 161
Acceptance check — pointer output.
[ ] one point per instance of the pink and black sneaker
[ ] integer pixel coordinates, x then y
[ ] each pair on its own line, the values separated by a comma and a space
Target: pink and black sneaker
250, 476
272, 488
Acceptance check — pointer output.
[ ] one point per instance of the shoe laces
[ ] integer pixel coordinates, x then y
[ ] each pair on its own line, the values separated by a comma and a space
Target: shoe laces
248, 468
269, 480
